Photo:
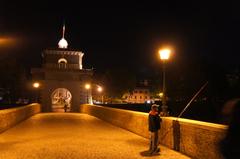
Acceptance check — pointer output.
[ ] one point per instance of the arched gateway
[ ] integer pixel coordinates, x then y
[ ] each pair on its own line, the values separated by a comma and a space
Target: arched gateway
61, 100
62, 77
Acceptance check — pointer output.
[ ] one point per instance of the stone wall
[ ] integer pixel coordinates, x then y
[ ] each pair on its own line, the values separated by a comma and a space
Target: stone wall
194, 138
11, 117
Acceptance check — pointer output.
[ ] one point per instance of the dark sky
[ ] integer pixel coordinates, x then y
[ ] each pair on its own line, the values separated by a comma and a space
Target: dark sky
124, 35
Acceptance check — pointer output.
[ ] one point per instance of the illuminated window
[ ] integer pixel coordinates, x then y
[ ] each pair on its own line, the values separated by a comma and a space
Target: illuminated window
62, 62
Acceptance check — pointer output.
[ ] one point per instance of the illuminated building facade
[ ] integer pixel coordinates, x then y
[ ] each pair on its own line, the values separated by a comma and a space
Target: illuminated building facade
138, 95
62, 79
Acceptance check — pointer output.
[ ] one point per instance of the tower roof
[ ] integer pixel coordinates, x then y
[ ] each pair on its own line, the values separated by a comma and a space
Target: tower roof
63, 44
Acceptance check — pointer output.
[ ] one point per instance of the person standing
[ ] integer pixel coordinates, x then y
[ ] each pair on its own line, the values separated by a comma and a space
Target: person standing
230, 144
154, 120
65, 106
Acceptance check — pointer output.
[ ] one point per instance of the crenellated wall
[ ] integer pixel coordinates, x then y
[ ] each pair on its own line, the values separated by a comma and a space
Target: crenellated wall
194, 138
13, 116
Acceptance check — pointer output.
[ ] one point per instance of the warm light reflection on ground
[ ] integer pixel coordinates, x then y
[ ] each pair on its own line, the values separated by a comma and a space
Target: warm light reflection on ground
73, 135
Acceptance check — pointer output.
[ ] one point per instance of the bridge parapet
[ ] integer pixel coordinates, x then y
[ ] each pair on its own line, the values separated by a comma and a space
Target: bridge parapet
13, 116
194, 138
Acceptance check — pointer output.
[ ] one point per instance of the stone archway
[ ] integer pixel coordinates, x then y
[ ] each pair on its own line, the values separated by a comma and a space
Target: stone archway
61, 100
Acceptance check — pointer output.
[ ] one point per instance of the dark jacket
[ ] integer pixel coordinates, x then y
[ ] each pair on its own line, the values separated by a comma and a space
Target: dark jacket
230, 144
154, 121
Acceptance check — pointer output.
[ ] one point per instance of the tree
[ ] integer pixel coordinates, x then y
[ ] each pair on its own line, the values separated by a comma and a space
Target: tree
13, 77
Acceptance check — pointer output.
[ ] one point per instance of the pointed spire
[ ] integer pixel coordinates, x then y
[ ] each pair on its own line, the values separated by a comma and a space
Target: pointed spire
63, 44
63, 33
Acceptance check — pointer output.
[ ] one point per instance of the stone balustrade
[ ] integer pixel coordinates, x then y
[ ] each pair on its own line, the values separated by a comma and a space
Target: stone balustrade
196, 139
13, 116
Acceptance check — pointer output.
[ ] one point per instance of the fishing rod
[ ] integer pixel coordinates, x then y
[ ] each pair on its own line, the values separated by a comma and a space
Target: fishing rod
192, 100
163, 136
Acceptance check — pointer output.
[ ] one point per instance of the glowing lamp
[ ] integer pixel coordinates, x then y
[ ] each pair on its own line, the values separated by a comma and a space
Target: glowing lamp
36, 85
87, 86
164, 54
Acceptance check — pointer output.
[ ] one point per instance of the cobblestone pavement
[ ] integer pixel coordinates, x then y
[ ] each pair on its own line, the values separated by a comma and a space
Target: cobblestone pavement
73, 136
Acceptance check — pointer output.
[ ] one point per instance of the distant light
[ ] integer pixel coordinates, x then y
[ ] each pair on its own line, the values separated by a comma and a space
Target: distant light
99, 89
63, 44
8, 42
164, 54
148, 101
36, 85
4, 40
87, 86
97, 102
161, 94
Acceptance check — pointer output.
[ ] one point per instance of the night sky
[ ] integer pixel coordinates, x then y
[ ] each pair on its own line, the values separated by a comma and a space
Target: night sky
126, 35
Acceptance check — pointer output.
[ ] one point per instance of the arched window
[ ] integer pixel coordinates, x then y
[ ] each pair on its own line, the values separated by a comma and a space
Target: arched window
62, 62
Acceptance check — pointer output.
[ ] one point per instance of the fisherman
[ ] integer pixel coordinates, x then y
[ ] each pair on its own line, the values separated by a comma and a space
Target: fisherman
154, 120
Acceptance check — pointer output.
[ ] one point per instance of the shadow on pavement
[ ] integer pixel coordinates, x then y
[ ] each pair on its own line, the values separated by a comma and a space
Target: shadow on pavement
148, 154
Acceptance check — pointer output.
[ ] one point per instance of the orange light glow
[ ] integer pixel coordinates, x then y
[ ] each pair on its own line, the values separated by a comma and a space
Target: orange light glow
99, 89
161, 94
36, 85
164, 54
5, 41
87, 86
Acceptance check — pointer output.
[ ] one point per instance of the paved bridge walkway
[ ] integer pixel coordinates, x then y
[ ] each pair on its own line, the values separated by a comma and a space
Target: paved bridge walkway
73, 136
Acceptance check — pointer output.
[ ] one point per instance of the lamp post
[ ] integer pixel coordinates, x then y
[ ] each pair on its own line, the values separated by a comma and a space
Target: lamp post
161, 95
99, 89
36, 86
164, 56
87, 87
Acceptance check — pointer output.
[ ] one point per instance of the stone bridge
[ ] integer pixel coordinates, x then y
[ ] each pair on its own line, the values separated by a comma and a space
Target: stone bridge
99, 132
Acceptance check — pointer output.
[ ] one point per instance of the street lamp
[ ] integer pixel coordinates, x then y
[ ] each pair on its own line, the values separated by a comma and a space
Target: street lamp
161, 95
87, 87
100, 89
36, 85
164, 56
